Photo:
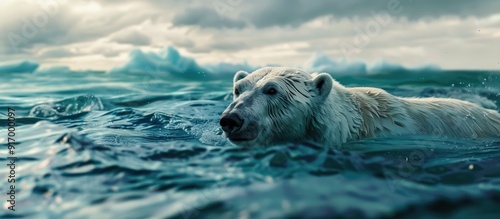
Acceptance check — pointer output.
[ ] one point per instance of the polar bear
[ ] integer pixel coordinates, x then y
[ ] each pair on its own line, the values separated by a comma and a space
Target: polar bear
277, 105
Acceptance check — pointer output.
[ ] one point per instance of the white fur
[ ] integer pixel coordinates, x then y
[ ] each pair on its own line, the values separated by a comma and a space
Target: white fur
319, 109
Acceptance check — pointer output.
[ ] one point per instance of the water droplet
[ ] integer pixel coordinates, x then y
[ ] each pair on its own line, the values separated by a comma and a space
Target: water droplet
471, 166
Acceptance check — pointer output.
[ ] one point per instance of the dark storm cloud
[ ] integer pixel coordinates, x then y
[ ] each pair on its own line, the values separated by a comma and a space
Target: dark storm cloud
262, 13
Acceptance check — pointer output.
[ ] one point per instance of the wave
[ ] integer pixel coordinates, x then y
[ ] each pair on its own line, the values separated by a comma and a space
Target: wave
67, 107
61, 69
22, 66
170, 63
320, 62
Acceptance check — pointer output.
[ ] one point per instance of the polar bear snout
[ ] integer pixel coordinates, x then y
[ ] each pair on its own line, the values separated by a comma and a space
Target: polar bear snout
231, 123
237, 129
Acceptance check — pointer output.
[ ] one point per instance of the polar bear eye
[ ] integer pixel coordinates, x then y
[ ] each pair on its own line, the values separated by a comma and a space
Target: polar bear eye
271, 91
236, 91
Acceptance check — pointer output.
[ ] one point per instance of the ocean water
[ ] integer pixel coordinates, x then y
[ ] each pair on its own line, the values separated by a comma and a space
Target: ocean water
142, 145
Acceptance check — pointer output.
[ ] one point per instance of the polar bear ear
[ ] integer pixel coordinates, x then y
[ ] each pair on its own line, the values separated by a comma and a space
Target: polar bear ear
323, 84
239, 75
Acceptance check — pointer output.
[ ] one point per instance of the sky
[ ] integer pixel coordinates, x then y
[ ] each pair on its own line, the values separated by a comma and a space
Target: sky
85, 34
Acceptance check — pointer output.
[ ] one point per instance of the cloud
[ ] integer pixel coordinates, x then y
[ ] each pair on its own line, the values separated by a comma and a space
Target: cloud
265, 14
132, 37
447, 41
100, 33
28, 24
56, 53
205, 17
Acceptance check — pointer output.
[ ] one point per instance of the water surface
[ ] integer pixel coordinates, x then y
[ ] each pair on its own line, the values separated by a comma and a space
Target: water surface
136, 145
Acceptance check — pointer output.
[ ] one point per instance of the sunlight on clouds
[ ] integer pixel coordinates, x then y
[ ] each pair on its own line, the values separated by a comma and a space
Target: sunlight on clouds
89, 7
491, 20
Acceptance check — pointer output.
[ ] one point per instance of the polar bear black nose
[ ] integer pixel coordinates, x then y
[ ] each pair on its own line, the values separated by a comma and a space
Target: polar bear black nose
230, 122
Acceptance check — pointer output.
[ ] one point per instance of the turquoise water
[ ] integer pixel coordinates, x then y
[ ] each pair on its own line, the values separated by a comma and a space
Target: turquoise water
140, 145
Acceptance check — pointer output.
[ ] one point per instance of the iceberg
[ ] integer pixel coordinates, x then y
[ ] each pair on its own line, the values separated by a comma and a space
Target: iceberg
22, 66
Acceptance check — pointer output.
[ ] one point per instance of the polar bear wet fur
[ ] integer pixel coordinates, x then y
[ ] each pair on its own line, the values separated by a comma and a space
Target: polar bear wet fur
276, 105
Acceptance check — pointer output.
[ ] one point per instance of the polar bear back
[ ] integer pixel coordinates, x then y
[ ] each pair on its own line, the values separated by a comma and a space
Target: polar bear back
384, 114
452, 117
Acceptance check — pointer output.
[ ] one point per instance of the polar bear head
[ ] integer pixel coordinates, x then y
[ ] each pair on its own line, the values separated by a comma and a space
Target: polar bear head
274, 105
